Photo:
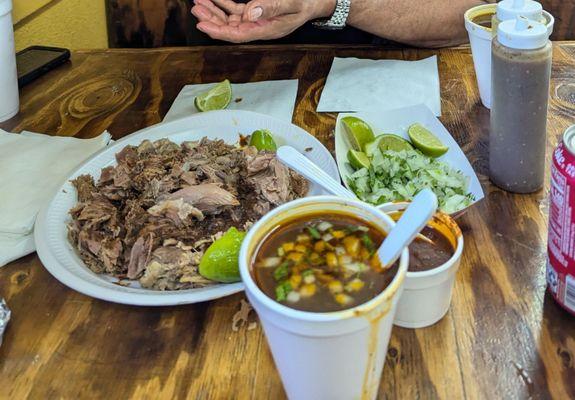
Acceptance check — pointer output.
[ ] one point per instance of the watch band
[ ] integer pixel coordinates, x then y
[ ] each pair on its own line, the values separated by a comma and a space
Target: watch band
338, 19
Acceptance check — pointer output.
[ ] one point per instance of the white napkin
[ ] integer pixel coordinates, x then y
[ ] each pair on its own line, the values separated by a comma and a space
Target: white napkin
31, 167
274, 98
376, 85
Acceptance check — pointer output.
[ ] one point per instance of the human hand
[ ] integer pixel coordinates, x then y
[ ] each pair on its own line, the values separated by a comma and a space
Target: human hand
258, 19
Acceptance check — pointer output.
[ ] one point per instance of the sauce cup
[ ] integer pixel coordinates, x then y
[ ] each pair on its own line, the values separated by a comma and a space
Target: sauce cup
333, 355
427, 294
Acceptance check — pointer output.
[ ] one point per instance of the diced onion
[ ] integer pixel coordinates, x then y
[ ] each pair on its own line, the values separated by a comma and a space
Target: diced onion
327, 237
363, 228
324, 226
345, 260
339, 250
293, 297
355, 266
271, 262
309, 279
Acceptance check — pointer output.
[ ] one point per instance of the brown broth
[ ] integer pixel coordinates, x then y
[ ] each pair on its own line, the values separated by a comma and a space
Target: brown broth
483, 20
424, 256
324, 300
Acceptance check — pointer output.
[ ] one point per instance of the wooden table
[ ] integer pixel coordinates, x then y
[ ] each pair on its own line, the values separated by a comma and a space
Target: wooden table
504, 337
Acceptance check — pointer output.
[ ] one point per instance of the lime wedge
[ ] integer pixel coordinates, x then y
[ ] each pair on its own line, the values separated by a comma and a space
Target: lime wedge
358, 132
217, 98
263, 139
426, 141
393, 142
358, 159
220, 261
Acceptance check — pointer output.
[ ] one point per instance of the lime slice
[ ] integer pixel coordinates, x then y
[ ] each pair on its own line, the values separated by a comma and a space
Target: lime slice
426, 141
358, 159
263, 139
393, 142
217, 98
220, 261
358, 132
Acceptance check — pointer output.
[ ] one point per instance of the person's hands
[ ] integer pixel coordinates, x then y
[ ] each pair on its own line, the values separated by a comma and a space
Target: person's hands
258, 19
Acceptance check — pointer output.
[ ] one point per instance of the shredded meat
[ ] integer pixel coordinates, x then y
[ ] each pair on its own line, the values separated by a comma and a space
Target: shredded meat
152, 216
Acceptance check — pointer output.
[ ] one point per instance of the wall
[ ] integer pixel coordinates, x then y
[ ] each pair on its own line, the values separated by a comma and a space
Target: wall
73, 24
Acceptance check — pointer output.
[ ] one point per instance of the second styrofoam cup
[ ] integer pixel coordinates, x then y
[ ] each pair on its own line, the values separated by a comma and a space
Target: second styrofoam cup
427, 294
334, 355
480, 40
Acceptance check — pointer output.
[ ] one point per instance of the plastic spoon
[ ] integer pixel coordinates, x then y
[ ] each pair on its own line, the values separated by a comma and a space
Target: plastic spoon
299, 163
414, 219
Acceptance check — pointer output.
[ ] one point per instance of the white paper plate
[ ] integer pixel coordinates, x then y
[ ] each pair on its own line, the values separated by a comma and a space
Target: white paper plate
397, 122
50, 234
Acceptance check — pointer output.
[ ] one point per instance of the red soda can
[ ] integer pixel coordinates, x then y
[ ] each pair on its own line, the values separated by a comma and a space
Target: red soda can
561, 243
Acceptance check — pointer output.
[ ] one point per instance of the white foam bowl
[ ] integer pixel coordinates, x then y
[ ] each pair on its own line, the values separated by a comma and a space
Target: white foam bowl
427, 294
335, 355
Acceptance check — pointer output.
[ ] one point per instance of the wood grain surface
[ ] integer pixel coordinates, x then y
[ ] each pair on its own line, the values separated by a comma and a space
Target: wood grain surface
503, 337
156, 23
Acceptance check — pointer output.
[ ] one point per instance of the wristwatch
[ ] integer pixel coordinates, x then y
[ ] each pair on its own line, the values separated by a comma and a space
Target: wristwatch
338, 19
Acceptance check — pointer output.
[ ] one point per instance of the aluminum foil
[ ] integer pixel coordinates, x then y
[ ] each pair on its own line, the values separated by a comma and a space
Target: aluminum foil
4, 318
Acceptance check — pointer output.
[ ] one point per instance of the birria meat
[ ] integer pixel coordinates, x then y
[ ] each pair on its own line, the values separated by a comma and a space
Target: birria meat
152, 216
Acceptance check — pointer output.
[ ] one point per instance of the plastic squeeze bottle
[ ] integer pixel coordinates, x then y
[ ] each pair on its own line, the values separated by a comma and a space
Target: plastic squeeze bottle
511, 9
520, 75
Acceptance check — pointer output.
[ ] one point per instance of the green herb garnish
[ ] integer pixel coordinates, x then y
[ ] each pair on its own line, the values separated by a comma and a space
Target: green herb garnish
281, 272
307, 272
314, 232
282, 290
367, 242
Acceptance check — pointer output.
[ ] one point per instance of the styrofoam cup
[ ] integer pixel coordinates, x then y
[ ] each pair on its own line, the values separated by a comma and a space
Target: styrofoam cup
334, 355
427, 294
480, 40
9, 103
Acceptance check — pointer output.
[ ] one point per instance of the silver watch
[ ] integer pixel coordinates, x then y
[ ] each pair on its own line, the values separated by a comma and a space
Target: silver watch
338, 19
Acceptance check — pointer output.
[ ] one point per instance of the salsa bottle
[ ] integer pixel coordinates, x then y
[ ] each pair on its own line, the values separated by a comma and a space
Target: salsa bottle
520, 75
511, 9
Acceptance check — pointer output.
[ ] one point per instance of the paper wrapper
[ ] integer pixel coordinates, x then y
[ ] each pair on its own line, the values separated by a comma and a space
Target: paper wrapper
274, 98
4, 318
362, 85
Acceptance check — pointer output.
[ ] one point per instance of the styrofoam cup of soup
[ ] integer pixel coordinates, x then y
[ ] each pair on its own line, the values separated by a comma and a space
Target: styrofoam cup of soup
324, 355
480, 36
427, 294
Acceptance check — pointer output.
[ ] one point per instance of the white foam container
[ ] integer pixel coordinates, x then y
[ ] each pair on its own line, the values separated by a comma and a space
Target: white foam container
336, 355
427, 294
10, 102
480, 40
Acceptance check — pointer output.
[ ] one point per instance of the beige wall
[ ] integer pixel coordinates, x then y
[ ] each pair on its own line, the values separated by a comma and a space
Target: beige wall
73, 24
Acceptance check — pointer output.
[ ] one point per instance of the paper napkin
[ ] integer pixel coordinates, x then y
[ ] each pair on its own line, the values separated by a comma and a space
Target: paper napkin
377, 85
274, 98
31, 167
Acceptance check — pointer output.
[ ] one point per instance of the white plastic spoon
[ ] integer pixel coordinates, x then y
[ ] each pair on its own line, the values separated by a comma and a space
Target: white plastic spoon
299, 163
414, 219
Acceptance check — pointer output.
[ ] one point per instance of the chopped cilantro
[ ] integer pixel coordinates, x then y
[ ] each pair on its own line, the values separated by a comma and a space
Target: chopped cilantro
282, 290
367, 242
307, 272
281, 272
314, 232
